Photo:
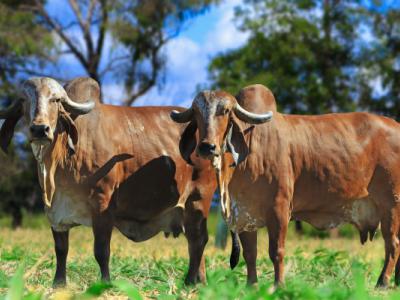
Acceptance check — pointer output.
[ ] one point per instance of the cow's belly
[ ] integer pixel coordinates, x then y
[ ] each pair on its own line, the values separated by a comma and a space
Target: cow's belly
363, 213
170, 221
67, 211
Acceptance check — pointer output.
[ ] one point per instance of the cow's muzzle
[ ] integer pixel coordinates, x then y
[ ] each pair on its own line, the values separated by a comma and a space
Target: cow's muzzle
207, 150
40, 133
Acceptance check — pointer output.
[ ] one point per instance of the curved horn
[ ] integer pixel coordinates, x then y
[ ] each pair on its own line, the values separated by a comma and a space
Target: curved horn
182, 117
252, 118
77, 108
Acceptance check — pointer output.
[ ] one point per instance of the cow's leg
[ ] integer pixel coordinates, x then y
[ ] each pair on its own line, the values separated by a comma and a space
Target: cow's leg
397, 271
102, 230
277, 224
390, 232
197, 236
61, 244
249, 244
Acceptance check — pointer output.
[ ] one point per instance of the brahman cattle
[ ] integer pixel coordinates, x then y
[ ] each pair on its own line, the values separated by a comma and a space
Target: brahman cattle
104, 166
325, 170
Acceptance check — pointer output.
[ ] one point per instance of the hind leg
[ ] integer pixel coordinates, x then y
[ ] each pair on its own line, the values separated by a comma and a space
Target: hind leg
390, 231
397, 271
277, 225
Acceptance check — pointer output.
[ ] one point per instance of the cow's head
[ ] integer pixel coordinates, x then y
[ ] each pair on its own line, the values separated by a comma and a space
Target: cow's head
216, 115
47, 108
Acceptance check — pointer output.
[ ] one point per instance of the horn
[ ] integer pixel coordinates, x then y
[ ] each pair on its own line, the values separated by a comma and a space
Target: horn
252, 118
77, 108
182, 117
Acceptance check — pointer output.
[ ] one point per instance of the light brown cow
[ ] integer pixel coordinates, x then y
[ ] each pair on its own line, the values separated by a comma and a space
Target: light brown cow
104, 166
325, 170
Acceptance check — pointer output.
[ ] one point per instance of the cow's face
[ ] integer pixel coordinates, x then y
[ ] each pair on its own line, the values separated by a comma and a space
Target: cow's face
212, 113
216, 115
47, 108
42, 109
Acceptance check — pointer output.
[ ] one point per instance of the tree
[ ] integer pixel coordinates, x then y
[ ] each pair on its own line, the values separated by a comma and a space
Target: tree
383, 61
306, 52
139, 30
24, 44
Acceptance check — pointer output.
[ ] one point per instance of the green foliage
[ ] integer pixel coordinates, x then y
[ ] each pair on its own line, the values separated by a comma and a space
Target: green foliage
24, 42
315, 55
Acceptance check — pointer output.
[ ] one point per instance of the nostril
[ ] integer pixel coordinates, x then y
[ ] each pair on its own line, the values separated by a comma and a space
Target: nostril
47, 129
207, 149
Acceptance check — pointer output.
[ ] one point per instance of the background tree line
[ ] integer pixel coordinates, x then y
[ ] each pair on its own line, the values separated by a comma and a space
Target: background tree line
316, 56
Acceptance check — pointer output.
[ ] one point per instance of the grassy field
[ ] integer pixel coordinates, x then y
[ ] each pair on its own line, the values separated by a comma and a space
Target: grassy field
315, 268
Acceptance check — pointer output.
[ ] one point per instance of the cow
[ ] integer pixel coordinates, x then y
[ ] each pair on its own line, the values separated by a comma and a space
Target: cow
322, 169
107, 166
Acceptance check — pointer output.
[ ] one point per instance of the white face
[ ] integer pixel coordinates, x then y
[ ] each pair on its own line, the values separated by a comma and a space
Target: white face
42, 108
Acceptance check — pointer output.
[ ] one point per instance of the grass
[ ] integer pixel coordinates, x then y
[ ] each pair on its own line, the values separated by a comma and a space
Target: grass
315, 268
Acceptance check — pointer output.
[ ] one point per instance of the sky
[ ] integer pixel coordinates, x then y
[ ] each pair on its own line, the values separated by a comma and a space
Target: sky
187, 55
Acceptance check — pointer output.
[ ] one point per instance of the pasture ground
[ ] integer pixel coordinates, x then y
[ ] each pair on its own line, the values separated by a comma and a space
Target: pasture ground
315, 268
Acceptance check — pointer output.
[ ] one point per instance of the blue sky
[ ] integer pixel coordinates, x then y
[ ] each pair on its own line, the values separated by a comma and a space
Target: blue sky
188, 55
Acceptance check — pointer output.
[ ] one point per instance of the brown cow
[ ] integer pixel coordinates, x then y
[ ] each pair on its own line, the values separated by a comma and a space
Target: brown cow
325, 170
105, 166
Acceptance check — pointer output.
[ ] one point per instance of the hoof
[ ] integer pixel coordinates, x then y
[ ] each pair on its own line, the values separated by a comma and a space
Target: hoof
382, 284
59, 283
189, 281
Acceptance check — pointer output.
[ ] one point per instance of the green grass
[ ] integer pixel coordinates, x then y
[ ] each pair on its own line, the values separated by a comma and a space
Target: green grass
314, 268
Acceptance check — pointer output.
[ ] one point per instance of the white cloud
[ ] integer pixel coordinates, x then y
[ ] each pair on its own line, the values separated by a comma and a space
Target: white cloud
188, 60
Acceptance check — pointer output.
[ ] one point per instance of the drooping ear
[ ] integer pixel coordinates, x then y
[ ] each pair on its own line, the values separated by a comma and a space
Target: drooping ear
7, 130
72, 132
187, 144
236, 143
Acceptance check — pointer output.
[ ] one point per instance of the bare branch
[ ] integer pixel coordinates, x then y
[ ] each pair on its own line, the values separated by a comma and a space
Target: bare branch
155, 63
58, 29
111, 64
85, 26
103, 27
92, 5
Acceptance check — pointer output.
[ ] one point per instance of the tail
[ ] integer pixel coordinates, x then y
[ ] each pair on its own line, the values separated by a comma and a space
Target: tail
235, 253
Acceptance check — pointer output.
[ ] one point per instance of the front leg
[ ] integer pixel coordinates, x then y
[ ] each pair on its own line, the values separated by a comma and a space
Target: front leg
197, 236
102, 230
61, 244
249, 244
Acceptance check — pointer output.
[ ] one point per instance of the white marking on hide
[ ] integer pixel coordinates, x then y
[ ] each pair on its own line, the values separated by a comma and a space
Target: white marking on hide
241, 219
38, 154
67, 212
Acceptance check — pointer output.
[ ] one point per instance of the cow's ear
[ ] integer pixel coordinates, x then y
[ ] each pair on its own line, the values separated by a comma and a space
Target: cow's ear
72, 132
7, 130
236, 144
188, 142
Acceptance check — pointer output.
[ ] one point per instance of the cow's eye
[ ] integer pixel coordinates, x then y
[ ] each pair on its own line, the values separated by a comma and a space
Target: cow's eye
222, 111
55, 100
